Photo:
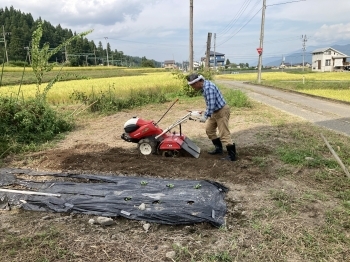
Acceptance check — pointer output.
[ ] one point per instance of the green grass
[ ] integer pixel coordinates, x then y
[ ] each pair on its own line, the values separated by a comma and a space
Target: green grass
223, 256
282, 199
236, 98
13, 247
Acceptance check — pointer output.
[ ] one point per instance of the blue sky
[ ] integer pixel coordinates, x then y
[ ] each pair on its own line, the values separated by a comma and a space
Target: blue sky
159, 29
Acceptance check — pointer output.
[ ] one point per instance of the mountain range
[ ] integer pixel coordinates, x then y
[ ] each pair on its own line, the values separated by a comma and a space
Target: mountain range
297, 56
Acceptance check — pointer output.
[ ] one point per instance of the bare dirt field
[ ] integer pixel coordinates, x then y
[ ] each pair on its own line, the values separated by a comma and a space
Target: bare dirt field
275, 211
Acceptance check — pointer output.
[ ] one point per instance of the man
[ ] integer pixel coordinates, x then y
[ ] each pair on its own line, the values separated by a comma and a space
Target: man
217, 116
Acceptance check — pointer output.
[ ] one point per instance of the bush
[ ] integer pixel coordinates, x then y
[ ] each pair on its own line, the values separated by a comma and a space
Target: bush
109, 101
28, 122
236, 98
186, 89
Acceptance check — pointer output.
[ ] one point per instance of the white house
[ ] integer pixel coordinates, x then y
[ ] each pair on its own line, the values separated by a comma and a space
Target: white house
328, 59
169, 64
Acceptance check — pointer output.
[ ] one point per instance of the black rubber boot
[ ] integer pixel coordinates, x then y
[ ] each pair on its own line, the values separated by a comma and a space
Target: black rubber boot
231, 151
218, 147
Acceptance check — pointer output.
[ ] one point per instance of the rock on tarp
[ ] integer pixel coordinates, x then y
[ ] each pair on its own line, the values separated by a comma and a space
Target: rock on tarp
167, 201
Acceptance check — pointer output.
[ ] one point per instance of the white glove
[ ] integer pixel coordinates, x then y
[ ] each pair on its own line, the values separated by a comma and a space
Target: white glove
203, 119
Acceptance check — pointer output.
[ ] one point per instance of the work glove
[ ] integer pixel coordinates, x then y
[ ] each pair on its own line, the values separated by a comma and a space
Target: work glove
203, 119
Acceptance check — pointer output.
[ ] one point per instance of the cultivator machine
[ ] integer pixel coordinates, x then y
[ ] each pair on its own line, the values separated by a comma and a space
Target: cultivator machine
151, 139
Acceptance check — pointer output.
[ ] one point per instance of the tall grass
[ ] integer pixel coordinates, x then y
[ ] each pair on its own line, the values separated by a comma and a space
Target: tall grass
110, 101
24, 124
31, 120
236, 98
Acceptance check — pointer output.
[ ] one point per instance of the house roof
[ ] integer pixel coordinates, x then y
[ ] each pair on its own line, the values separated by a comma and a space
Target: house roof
216, 53
169, 62
321, 50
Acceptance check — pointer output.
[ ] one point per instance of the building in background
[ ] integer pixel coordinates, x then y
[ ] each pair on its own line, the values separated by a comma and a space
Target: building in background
169, 64
219, 57
328, 60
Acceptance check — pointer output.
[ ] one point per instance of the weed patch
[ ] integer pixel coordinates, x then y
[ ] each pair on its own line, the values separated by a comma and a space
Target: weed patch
106, 102
23, 124
13, 247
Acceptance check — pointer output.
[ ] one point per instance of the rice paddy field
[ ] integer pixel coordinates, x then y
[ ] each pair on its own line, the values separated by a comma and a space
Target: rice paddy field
122, 85
16, 75
333, 85
122, 82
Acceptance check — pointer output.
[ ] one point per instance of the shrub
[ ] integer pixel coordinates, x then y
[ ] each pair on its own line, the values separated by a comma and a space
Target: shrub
236, 98
186, 89
109, 101
28, 122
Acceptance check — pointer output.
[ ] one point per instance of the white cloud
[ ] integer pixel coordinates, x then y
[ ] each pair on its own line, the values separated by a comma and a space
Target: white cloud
159, 29
333, 33
80, 12
309, 11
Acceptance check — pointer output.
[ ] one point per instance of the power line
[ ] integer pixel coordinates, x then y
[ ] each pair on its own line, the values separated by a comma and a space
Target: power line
253, 17
240, 28
237, 31
233, 21
287, 2
144, 43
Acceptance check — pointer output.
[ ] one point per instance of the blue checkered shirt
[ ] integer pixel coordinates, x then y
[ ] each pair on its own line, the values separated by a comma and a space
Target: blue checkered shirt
213, 98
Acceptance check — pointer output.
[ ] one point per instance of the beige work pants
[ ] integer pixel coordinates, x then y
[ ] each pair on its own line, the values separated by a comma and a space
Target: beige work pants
219, 121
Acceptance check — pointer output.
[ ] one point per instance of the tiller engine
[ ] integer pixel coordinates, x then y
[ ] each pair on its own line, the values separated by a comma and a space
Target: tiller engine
153, 140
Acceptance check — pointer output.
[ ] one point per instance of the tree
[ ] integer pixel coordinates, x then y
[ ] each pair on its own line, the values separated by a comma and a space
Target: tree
227, 64
40, 59
16, 46
100, 52
19, 27
147, 63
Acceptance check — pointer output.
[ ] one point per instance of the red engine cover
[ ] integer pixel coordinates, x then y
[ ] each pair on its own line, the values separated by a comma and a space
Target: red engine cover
146, 129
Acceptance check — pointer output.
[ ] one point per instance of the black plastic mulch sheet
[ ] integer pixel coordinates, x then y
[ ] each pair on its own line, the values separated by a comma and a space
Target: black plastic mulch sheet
167, 201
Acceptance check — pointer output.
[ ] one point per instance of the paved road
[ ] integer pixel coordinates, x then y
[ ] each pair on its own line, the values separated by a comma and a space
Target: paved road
329, 114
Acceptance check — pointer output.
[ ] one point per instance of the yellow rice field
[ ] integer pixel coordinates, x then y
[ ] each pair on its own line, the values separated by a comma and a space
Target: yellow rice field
58, 68
285, 76
323, 84
166, 82
121, 86
341, 95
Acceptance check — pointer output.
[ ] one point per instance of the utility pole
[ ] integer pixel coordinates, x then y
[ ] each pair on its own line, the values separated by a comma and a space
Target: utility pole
214, 52
65, 51
207, 59
28, 53
304, 39
261, 41
191, 36
4, 36
107, 49
95, 55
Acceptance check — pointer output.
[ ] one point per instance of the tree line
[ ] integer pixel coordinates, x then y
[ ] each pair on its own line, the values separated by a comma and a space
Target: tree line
15, 44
